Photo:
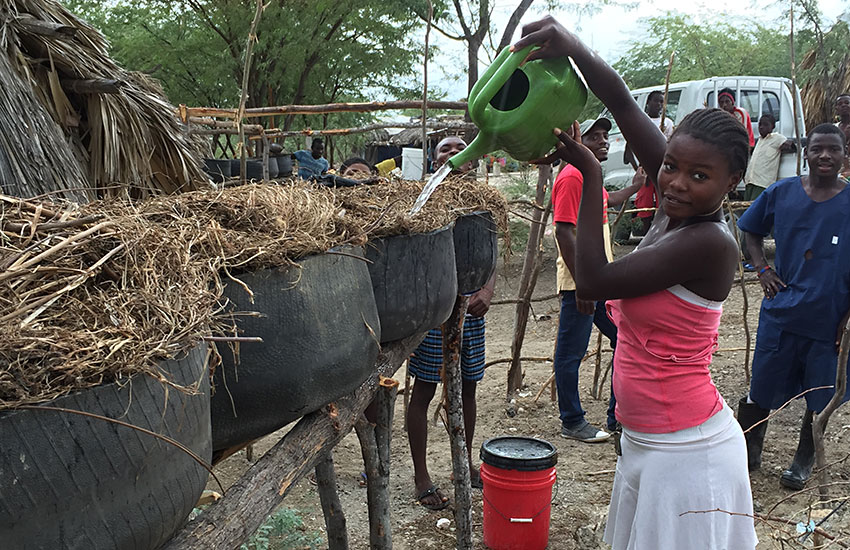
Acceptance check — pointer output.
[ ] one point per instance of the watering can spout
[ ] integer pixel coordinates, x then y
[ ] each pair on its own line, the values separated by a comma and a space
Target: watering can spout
480, 146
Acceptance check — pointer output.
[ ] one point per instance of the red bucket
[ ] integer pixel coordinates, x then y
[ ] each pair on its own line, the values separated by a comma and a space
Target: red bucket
518, 474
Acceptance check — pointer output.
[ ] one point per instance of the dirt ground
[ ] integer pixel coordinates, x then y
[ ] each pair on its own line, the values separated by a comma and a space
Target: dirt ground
585, 471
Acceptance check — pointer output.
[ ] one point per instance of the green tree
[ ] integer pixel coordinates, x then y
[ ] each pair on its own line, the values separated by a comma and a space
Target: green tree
318, 51
305, 51
716, 48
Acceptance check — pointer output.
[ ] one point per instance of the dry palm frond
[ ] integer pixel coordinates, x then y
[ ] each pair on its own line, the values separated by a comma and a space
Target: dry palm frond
125, 144
826, 70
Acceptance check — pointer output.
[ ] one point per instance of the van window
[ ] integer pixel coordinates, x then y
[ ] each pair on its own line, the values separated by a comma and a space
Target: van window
673, 97
749, 101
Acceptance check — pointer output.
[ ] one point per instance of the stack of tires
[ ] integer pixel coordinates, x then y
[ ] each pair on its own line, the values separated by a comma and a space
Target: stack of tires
322, 321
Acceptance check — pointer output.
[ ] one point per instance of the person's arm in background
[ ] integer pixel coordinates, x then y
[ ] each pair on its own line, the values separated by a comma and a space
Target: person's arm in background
386, 166
566, 197
565, 234
756, 222
788, 146
479, 303
771, 284
620, 196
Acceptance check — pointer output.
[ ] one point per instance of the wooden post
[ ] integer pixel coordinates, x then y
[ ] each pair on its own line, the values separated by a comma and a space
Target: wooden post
820, 420
331, 507
265, 158
452, 337
794, 96
261, 489
425, 93
93, 85
375, 446
597, 369
746, 321
246, 71
528, 278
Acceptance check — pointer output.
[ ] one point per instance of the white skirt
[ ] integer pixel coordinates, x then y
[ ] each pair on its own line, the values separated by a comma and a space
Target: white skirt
673, 491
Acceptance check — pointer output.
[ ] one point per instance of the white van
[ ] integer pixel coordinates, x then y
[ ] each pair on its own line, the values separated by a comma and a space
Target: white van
757, 94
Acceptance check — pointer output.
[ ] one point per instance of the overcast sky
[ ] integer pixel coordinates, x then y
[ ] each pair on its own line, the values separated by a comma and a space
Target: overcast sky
610, 30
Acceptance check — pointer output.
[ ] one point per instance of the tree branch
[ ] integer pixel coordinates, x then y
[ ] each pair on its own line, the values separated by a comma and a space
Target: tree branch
513, 22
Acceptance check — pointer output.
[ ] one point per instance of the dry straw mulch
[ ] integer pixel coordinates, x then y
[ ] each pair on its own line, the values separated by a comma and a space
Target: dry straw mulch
96, 293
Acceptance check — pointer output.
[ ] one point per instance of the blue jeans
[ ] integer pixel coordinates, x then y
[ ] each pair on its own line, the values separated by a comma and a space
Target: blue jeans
573, 336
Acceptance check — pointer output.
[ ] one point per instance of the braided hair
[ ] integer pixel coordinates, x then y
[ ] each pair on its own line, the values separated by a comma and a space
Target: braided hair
720, 129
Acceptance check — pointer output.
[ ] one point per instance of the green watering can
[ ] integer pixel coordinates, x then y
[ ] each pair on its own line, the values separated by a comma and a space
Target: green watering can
515, 108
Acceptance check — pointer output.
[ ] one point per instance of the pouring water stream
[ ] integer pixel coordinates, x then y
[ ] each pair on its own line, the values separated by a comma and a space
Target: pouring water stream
435, 180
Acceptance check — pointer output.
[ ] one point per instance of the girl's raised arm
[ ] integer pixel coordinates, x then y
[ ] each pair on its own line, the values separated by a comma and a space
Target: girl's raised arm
645, 138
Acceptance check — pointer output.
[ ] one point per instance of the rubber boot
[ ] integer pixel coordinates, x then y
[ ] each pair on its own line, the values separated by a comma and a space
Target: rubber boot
748, 415
796, 476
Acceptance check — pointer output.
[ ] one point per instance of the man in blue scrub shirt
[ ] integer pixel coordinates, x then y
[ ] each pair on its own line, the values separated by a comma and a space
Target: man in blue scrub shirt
807, 294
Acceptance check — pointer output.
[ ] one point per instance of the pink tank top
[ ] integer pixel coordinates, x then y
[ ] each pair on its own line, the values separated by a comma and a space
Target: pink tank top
664, 345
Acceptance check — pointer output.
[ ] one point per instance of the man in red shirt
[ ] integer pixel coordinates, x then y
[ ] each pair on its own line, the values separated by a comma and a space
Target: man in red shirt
578, 316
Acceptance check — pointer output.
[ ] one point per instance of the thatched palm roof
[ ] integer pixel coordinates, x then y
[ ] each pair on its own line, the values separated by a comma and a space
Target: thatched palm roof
57, 135
827, 67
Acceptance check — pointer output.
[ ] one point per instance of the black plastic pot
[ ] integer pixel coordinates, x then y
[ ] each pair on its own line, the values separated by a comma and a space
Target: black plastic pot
476, 242
415, 281
284, 166
320, 332
253, 169
273, 172
70, 481
217, 169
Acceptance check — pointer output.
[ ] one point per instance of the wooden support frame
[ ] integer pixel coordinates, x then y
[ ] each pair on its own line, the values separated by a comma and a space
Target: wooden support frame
331, 507
261, 489
375, 440
365, 107
528, 279
452, 331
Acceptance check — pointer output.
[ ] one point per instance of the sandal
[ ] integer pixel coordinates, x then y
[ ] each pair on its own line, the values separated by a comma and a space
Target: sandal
433, 490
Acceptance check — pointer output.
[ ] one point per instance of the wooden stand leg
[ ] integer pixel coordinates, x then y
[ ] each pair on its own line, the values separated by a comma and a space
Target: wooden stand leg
331, 507
375, 446
231, 520
452, 338
528, 280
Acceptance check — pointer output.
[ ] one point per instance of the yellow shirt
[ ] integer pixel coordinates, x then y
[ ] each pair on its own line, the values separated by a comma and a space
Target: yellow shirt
764, 164
565, 280
385, 167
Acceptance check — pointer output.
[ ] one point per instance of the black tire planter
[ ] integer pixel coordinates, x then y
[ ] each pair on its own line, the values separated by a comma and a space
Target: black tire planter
316, 345
217, 169
253, 168
476, 241
415, 281
74, 482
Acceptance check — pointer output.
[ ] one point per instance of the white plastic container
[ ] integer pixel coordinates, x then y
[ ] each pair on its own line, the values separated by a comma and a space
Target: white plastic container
411, 163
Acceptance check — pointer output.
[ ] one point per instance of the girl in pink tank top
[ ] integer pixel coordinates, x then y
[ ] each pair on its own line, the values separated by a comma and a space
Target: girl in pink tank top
682, 450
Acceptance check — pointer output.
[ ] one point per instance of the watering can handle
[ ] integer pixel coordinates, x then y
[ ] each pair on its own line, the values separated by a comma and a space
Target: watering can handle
493, 79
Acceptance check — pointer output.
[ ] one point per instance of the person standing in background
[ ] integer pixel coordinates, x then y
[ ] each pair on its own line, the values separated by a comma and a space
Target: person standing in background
311, 164
726, 101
